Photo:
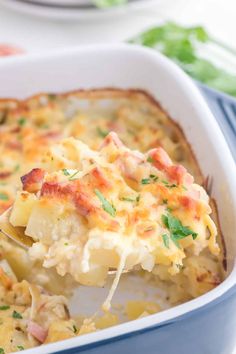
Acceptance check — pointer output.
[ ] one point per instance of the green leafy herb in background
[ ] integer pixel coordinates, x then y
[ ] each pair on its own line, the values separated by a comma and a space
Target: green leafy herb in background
108, 3
180, 44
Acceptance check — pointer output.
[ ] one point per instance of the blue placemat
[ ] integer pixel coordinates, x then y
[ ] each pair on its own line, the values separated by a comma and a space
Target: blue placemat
224, 110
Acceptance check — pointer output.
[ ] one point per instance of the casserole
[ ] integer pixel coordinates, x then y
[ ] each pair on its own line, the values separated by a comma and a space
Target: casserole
131, 67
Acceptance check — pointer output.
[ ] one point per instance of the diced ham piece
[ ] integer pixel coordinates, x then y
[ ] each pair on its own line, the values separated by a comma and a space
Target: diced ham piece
188, 202
160, 158
14, 145
33, 180
84, 204
72, 190
128, 163
56, 189
99, 179
179, 174
5, 174
112, 138
37, 331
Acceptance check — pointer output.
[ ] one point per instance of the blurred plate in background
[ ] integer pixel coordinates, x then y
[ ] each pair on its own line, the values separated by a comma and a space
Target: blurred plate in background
73, 9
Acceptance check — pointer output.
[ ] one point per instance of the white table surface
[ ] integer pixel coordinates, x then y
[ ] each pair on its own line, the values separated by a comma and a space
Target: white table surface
35, 35
38, 35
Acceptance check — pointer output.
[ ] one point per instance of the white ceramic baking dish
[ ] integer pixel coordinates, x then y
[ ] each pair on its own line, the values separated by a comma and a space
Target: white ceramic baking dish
208, 323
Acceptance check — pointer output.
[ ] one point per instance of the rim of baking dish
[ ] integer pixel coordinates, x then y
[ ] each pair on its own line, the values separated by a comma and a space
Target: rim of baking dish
200, 106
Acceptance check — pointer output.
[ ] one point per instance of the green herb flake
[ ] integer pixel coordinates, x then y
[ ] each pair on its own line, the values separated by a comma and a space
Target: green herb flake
166, 240
176, 228
154, 177
45, 126
4, 307
138, 198
128, 199
108, 3
20, 347
22, 121
73, 176
66, 244
102, 133
2, 351
179, 266
145, 181
168, 185
172, 185
165, 201
75, 330
107, 206
16, 168
3, 196
150, 159
65, 172
16, 314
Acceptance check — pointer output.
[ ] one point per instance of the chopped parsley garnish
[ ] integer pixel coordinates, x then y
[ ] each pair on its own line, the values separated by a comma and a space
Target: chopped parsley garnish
16, 314
176, 228
75, 329
101, 132
4, 307
129, 199
166, 240
66, 172
45, 126
2, 351
66, 244
152, 178
73, 176
165, 201
21, 121
17, 167
3, 196
172, 185
166, 183
150, 159
146, 181
20, 347
180, 266
107, 206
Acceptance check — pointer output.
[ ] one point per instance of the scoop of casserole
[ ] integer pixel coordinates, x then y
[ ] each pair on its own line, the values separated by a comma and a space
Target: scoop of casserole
89, 211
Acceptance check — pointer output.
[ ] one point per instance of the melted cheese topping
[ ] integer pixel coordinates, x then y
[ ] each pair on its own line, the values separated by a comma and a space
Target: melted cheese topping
27, 130
97, 210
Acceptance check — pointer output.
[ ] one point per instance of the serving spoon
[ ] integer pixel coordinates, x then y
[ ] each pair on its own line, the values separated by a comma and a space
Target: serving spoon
17, 234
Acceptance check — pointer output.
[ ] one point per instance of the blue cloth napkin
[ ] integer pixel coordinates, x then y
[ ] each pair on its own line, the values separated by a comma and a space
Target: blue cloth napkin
224, 110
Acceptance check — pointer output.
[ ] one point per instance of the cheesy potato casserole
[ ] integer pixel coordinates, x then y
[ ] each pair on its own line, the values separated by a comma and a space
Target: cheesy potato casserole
108, 184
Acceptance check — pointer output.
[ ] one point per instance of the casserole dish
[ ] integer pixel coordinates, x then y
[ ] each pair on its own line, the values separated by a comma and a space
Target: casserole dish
200, 325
